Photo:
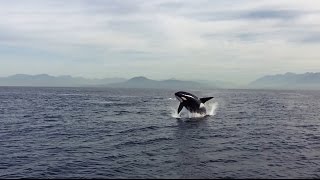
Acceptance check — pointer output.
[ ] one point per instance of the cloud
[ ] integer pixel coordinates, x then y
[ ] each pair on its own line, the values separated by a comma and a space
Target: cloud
218, 38
312, 38
271, 14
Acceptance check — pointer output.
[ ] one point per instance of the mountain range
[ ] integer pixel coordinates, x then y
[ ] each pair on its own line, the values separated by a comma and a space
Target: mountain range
52, 81
288, 80
279, 81
69, 81
138, 82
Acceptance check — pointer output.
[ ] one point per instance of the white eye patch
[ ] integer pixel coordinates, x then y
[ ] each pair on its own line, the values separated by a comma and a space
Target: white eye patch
184, 98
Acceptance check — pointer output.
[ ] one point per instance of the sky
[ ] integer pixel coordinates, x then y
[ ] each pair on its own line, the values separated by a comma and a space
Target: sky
235, 40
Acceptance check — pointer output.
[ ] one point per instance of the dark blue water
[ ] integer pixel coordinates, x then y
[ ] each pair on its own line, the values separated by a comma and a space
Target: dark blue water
131, 133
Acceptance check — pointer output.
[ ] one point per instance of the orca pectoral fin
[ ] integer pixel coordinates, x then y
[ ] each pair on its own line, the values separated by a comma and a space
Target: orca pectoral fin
180, 107
203, 100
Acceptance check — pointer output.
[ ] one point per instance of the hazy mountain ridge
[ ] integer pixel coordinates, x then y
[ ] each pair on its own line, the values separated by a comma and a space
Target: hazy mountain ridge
54, 81
279, 81
69, 81
143, 82
288, 80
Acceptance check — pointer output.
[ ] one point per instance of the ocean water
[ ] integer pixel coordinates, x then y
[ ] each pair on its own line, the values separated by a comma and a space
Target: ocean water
136, 133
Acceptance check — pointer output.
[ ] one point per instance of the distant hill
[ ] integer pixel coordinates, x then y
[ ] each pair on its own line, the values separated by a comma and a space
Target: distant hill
52, 81
288, 81
221, 84
143, 82
45, 80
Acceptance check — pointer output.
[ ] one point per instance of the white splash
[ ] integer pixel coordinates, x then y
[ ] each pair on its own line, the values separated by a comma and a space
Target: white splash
211, 111
212, 107
174, 113
196, 115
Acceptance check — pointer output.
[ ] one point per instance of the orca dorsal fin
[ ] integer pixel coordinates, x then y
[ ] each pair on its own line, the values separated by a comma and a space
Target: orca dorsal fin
205, 99
180, 107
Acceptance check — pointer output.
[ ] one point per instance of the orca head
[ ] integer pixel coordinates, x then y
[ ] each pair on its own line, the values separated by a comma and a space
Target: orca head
179, 96
184, 96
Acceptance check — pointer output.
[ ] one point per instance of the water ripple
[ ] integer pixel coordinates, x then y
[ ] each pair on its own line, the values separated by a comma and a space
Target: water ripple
130, 133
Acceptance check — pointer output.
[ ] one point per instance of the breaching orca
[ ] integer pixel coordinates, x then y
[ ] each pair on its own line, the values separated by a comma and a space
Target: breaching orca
191, 102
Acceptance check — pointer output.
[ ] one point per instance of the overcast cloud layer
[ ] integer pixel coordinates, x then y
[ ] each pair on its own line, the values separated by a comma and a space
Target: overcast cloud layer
235, 40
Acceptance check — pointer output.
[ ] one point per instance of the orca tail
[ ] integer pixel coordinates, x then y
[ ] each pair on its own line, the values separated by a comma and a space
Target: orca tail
180, 108
205, 99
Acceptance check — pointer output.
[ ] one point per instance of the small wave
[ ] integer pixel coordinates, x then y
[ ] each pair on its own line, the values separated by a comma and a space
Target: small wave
139, 129
71, 94
52, 116
121, 112
140, 142
100, 102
